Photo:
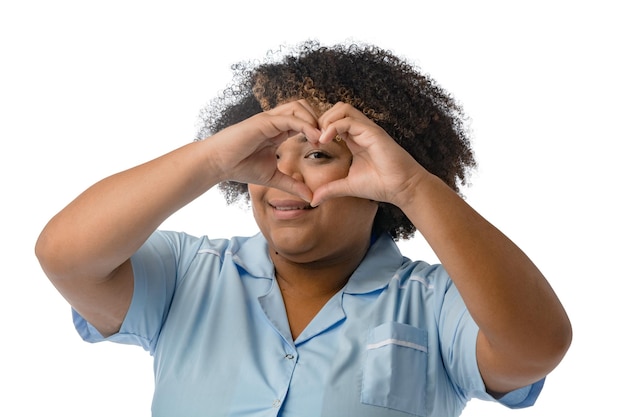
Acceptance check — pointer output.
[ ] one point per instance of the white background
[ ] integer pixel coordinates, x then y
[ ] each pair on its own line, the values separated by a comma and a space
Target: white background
90, 88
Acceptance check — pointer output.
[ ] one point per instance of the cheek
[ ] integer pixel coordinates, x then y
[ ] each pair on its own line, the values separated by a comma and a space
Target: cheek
256, 197
316, 178
352, 212
254, 191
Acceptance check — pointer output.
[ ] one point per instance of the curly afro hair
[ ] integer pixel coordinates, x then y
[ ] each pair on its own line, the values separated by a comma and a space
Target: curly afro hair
422, 118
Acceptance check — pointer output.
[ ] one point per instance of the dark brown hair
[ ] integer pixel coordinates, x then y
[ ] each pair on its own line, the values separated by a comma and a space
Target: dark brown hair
422, 118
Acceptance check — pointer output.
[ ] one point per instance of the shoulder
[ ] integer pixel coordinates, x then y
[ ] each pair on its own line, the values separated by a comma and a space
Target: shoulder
175, 255
184, 244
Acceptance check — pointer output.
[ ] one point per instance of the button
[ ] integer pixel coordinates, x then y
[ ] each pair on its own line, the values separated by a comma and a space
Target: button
289, 356
276, 404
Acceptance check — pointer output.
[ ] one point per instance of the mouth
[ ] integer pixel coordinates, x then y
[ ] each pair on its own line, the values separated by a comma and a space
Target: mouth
289, 209
290, 206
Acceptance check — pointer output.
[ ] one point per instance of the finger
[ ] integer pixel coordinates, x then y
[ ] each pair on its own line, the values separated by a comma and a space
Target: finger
290, 126
329, 134
333, 189
300, 109
288, 184
342, 129
312, 110
339, 111
343, 121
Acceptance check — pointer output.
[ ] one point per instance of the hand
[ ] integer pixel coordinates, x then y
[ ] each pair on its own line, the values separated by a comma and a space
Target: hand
247, 150
381, 169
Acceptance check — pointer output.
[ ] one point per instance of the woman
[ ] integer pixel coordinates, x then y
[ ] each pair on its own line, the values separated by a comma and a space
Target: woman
340, 151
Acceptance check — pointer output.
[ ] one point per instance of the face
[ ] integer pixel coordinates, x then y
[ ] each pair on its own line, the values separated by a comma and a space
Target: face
336, 229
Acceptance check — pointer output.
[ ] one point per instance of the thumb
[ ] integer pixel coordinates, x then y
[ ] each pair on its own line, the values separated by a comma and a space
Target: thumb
290, 185
338, 188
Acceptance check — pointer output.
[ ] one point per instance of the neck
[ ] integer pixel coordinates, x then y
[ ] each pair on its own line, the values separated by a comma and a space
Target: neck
312, 286
307, 287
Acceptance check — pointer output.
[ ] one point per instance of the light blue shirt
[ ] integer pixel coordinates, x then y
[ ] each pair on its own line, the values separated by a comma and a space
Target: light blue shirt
396, 341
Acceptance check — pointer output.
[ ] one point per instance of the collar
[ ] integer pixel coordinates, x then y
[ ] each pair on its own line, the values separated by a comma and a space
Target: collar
381, 262
251, 254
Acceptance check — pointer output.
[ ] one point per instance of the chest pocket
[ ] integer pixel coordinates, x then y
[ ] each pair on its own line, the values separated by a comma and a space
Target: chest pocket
394, 373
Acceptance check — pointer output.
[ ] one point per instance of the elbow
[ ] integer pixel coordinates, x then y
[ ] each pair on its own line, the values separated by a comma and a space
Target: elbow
525, 362
561, 340
548, 335
550, 347
44, 252
49, 253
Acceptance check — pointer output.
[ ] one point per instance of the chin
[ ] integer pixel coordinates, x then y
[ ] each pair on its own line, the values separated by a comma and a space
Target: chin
295, 251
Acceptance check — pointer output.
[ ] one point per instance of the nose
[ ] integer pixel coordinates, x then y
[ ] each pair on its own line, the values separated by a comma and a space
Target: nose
288, 165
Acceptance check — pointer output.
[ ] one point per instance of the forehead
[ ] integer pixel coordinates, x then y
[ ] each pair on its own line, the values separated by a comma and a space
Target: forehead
299, 141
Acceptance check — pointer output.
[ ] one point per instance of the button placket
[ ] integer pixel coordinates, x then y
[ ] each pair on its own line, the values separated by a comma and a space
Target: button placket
288, 359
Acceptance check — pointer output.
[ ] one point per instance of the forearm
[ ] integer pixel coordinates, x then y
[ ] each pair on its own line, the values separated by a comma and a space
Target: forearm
521, 321
108, 222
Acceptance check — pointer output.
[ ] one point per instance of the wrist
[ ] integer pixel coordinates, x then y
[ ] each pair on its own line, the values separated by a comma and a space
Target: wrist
411, 192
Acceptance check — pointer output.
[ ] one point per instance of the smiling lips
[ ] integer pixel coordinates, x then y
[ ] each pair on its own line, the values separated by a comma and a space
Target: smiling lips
289, 208
285, 205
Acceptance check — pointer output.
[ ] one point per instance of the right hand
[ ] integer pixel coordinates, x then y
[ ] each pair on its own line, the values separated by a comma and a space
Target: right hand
247, 150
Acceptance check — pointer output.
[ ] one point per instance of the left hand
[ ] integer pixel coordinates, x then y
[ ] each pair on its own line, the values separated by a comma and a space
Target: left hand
381, 170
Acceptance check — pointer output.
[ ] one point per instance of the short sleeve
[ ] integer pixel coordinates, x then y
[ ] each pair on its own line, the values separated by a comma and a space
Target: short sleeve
459, 333
156, 268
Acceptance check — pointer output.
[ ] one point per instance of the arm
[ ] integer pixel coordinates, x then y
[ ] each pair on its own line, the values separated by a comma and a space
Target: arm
85, 249
523, 329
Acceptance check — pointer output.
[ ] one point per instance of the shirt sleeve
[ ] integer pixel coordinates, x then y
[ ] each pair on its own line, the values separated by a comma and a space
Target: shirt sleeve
156, 268
459, 333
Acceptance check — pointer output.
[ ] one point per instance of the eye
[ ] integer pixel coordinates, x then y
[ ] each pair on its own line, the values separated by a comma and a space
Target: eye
317, 154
